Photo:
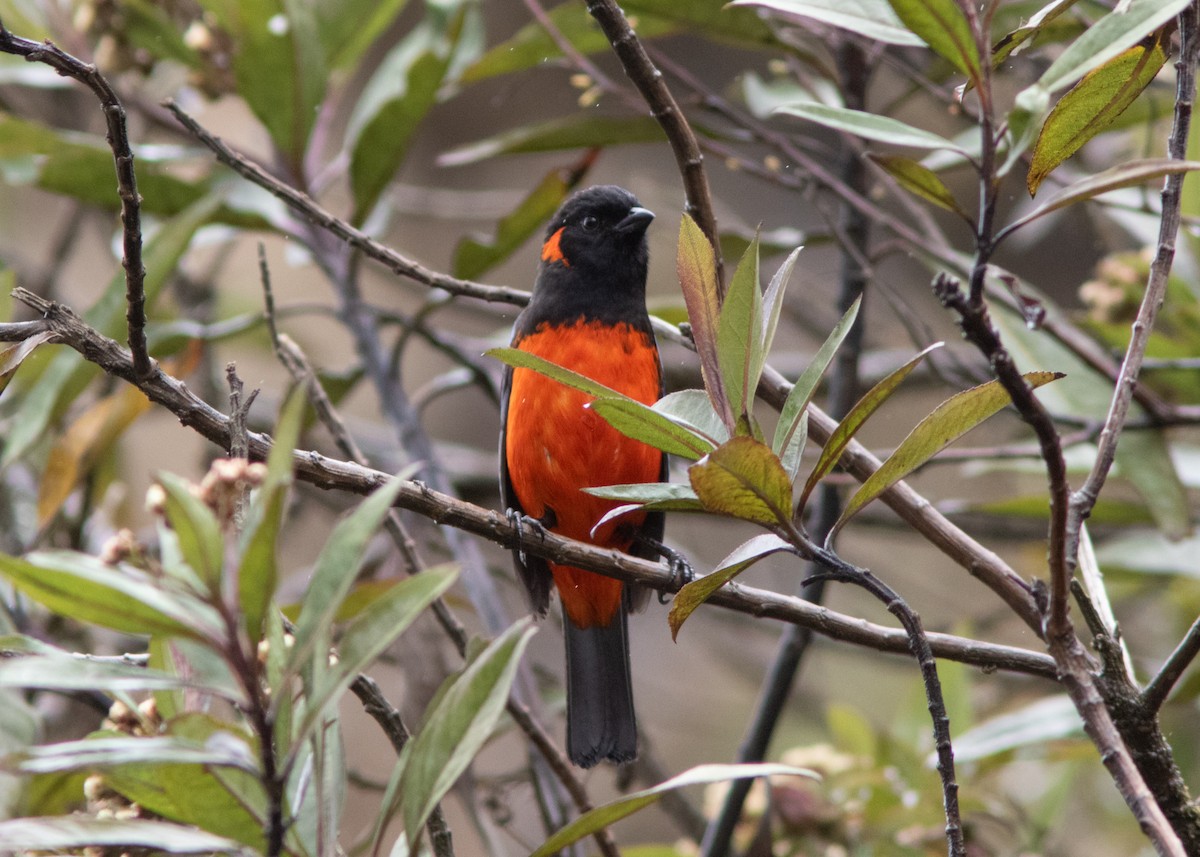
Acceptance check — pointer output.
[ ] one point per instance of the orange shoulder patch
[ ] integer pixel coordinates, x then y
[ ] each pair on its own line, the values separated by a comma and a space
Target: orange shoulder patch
552, 249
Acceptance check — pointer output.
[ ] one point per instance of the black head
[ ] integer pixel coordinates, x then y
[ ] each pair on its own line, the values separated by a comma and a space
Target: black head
600, 229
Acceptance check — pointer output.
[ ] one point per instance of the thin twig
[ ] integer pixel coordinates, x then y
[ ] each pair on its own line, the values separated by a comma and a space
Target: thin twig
1159, 688
118, 140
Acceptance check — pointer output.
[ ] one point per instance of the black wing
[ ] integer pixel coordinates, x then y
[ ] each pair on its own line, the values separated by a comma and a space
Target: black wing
533, 570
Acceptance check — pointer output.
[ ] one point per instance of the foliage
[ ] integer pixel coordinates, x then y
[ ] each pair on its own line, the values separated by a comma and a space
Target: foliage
850, 130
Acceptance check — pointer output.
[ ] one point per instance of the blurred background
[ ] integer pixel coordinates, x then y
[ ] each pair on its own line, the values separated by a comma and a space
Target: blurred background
445, 127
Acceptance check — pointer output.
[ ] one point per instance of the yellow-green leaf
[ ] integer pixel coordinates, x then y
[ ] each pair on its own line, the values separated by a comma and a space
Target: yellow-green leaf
697, 592
1092, 105
859, 414
743, 478
696, 265
945, 29
919, 180
949, 421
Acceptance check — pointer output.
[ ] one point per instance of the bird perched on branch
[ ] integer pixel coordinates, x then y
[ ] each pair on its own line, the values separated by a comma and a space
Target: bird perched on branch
587, 313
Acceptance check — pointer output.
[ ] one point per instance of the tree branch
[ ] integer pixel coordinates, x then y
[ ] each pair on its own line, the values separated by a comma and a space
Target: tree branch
131, 203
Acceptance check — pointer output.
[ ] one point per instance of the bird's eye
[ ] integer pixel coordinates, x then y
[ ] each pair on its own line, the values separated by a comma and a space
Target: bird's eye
589, 223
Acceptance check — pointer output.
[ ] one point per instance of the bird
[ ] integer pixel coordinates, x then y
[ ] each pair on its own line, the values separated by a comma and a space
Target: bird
587, 313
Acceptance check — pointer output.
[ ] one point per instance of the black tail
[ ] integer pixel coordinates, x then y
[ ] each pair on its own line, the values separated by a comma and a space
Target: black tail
600, 719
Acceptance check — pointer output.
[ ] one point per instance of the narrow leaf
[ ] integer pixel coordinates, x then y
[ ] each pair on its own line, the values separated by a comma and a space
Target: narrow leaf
1092, 105
610, 813
457, 725
792, 412
335, 571
773, 305
944, 27
694, 410
920, 181
626, 415
1114, 178
224, 750
874, 19
1116, 32
62, 833
635, 420
869, 126
739, 335
859, 414
376, 628
696, 266
196, 528
1031, 28
947, 423
120, 598
698, 591
743, 478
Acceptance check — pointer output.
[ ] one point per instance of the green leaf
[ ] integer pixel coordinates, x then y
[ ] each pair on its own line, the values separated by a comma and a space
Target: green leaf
348, 27
610, 813
61, 833
874, 19
80, 166
196, 795
1092, 105
533, 46
947, 423
577, 131
772, 301
457, 725
62, 671
646, 497
693, 409
396, 99
119, 597
1029, 29
629, 416
335, 570
1114, 178
696, 267
739, 332
920, 181
743, 478
196, 528
869, 126
859, 414
258, 568
698, 591
633, 419
1113, 34
792, 420
944, 27
229, 751
376, 628
1051, 718
475, 256
279, 65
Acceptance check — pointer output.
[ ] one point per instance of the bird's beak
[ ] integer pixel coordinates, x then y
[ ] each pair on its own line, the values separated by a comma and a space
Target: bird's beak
636, 220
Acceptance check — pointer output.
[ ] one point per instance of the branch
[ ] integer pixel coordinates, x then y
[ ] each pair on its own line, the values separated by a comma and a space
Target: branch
1160, 686
118, 140
649, 82
324, 472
